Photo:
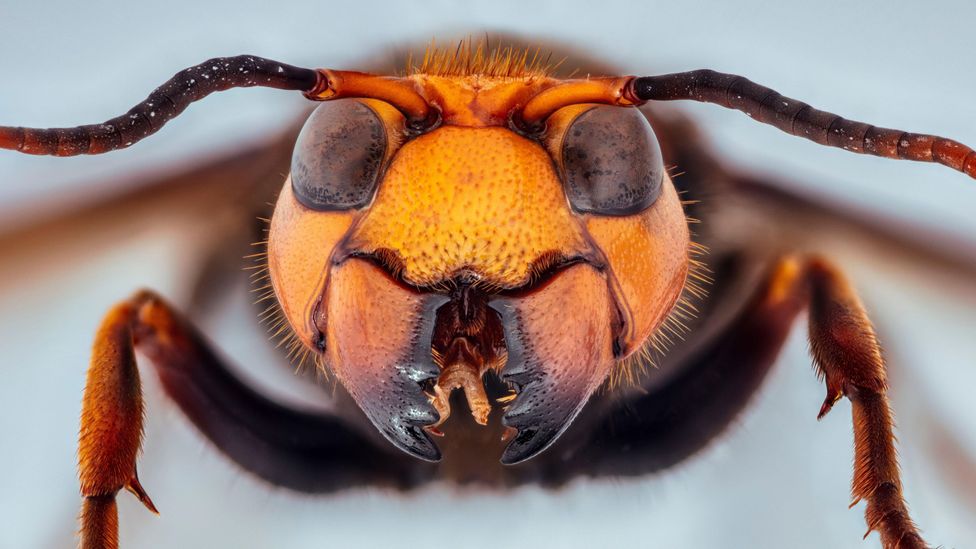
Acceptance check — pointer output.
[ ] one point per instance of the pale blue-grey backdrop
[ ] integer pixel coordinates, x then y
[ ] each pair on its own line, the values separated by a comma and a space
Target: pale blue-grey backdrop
779, 480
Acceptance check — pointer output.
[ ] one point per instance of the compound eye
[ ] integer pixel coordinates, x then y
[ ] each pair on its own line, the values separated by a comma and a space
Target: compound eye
611, 162
338, 156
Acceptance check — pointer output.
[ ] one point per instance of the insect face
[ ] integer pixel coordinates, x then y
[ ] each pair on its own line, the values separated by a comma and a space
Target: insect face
416, 262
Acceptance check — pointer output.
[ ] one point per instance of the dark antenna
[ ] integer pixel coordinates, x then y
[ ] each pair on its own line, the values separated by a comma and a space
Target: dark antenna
162, 105
800, 119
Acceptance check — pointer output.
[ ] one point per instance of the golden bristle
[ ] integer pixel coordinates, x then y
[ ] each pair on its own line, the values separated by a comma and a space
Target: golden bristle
482, 59
675, 327
272, 317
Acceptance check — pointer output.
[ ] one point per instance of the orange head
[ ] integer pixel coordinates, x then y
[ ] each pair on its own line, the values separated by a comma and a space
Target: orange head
475, 216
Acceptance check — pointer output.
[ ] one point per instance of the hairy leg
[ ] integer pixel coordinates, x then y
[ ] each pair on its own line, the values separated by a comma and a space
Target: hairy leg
848, 358
111, 429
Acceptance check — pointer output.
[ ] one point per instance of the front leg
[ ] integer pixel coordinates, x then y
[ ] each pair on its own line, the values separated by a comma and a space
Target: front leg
111, 428
848, 357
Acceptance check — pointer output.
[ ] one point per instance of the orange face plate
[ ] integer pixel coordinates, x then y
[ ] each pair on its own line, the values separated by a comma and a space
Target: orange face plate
481, 199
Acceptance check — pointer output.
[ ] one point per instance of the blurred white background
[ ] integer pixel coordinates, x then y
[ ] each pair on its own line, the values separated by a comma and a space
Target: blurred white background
778, 479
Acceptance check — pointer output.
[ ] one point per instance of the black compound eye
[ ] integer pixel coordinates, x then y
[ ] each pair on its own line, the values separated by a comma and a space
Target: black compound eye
611, 161
338, 156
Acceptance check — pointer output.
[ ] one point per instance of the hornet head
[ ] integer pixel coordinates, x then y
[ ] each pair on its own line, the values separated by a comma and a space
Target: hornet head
476, 216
